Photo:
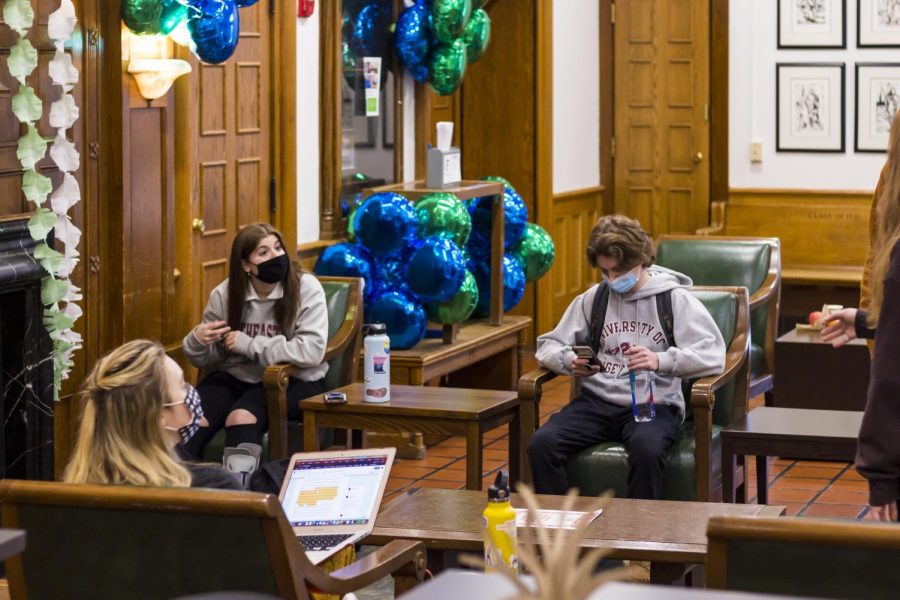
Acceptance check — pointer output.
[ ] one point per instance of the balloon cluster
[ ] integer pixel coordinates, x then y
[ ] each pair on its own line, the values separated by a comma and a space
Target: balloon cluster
437, 39
431, 260
213, 26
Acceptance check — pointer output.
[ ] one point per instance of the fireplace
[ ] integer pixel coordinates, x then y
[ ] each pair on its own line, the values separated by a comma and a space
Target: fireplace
26, 377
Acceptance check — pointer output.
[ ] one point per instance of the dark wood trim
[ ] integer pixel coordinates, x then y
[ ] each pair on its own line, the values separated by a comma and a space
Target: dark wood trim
423, 125
718, 101
607, 105
330, 121
543, 168
284, 118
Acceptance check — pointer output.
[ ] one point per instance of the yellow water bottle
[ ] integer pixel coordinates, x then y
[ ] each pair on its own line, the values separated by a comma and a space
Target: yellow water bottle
500, 526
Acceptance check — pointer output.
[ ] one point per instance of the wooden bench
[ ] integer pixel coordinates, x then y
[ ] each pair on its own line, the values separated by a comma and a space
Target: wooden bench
824, 241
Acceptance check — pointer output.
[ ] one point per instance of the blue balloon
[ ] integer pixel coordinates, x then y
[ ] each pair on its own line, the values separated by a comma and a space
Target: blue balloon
405, 319
215, 27
245, 3
411, 36
347, 260
437, 270
419, 72
515, 215
371, 30
384, 223
513, 285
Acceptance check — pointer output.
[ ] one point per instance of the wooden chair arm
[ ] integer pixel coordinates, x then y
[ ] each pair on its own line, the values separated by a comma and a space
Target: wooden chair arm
372, 567
275, 382
766, 291
703, 390
530, 384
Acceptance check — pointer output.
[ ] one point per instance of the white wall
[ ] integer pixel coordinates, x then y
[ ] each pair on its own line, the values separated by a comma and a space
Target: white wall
753, 54
308, 155
576, 95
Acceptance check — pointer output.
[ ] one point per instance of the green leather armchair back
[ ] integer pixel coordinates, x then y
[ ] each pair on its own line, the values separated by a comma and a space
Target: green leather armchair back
337, 295
798, 556
731, 262
605, 466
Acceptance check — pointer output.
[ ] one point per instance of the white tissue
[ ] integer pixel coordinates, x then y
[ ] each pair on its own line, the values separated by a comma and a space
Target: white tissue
64, 154
62, 71
61, 22
444, 135
64, 112
66, 195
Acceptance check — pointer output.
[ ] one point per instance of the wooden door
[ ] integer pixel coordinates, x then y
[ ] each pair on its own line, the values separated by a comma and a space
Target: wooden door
225, 144
434, 108
661, 112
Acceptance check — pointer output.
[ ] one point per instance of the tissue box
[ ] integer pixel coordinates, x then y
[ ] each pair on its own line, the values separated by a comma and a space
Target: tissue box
444, 168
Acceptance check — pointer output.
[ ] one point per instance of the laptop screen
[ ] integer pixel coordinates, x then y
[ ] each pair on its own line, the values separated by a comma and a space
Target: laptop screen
334, 490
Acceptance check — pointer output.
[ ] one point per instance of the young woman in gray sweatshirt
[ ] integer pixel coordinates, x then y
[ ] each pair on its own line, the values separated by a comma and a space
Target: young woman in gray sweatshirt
266, 312
632, 338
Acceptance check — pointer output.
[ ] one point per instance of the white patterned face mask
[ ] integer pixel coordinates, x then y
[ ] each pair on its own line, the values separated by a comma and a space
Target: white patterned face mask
192, 401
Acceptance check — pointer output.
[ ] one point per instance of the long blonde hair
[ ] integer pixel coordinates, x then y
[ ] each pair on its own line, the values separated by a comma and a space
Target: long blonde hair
121, 439
888, 222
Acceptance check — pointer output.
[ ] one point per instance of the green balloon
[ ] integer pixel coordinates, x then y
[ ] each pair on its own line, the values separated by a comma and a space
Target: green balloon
458, 308
351, 231
153, 16
448, 66
449, 18
535, 252
498, 179
477, 35
444, 215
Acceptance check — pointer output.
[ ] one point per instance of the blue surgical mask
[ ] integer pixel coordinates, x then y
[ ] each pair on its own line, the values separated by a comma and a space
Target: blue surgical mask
623, 284
192, 401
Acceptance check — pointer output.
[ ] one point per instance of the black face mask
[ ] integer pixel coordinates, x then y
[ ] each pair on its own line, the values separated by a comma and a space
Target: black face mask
273, 270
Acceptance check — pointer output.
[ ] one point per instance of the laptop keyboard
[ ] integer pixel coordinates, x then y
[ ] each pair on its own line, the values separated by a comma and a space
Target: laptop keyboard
311, 543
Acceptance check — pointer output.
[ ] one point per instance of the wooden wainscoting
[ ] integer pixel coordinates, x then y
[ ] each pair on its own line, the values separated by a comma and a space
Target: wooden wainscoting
574, 214
824, 241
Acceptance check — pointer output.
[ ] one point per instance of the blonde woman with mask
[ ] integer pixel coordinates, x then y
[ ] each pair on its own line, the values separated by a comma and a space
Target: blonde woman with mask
137, 409
878, 451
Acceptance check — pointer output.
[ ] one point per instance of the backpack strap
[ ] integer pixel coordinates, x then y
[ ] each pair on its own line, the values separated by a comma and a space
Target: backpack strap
598, 315
666, 316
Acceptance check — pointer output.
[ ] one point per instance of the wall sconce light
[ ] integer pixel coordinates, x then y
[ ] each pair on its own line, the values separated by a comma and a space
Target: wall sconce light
154, 76
150, 65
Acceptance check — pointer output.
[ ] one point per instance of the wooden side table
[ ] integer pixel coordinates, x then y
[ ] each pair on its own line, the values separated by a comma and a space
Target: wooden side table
438, 410
812, 374
787, 432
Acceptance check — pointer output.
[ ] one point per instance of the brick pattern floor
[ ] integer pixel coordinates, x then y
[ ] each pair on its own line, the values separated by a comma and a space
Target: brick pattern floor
807, 488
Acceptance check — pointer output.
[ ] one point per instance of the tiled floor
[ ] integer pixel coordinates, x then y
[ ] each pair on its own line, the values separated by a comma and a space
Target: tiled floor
807, 488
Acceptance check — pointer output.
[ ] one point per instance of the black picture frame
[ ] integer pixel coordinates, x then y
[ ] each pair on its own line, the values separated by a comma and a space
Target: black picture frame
866, 119
864, 38
789, 45
835, 108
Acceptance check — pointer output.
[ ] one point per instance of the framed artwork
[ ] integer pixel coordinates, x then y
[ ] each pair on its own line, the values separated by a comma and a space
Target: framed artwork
878, 23
812, 23
809, 107
877, 99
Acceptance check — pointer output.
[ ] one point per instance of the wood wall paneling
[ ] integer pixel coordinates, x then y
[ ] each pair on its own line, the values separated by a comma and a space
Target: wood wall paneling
574, 214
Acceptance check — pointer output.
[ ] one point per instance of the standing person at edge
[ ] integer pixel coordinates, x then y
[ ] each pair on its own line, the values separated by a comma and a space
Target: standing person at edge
266, 312
632, 338
878, 451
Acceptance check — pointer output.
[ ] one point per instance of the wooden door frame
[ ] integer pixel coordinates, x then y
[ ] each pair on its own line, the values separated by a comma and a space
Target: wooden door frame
718, 100
283, 138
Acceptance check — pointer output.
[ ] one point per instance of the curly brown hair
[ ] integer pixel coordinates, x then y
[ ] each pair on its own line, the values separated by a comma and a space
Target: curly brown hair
619, 237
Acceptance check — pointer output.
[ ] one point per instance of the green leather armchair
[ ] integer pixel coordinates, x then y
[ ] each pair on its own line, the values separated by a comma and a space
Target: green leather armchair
694, 469
343, 296
799, 556
751, 262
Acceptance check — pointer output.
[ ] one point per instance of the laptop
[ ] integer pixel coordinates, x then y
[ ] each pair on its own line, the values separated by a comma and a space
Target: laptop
331, 499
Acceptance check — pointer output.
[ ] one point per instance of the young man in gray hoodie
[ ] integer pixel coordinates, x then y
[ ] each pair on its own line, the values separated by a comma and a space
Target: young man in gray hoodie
632, 338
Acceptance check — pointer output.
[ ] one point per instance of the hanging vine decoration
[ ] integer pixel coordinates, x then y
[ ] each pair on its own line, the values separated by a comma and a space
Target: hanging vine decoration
58, 294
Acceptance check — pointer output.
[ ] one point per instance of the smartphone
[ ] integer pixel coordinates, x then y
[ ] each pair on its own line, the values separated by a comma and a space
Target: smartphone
335, 398
588, 353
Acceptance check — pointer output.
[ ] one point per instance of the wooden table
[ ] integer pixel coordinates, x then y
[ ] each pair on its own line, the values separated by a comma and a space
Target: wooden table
438, 410
812, 374
790, 433
465, 359
671, 535
453, 584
